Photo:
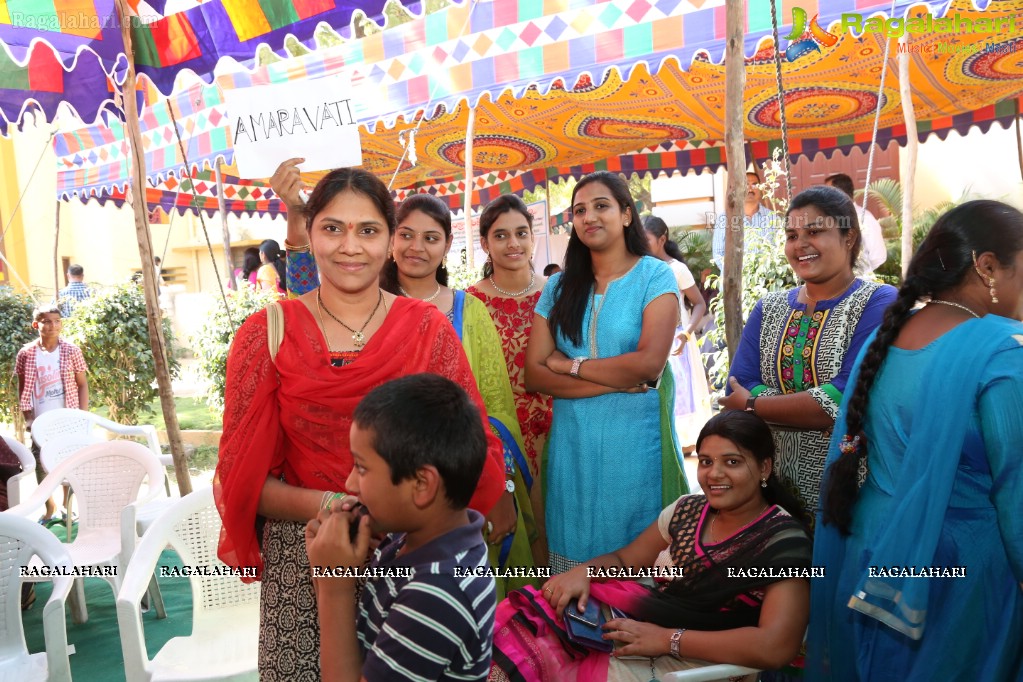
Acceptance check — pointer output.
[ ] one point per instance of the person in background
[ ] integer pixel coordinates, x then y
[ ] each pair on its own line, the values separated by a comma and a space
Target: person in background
51, 374
755, 217
874, 252
550, 269
510, 289
601, 335
246, 275
272, 275
934, 422
692, 397
798, 346
74, 292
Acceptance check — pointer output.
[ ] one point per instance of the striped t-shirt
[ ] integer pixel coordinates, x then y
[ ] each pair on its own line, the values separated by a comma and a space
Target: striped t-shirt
437, 624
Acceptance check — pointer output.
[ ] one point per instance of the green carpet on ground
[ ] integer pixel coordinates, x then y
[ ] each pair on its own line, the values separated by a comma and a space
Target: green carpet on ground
97, 656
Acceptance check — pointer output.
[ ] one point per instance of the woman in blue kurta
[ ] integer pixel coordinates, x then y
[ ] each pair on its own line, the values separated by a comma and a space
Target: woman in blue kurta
798, 346
603, 328
935, 418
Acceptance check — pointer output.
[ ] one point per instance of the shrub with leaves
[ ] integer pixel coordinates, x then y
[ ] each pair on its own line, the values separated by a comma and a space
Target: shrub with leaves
211, 343
15, 331
764, 267
110, 327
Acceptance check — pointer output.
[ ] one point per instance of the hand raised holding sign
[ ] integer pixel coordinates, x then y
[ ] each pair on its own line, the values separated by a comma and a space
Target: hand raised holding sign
287, 183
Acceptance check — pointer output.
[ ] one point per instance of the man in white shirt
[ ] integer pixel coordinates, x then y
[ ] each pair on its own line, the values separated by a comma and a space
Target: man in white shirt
755, 217
874, 252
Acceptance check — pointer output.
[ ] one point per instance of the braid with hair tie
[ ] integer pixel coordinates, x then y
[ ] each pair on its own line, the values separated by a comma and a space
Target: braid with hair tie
842, 488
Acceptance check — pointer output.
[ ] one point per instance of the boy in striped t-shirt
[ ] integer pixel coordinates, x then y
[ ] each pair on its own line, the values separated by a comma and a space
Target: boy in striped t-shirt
427, 608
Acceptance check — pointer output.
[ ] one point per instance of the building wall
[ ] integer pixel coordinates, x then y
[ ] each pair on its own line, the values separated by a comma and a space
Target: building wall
983, 165
101, 238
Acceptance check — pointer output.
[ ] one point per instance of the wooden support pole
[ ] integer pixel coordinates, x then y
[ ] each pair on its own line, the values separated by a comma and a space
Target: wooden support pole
150, 285
470, 245
912, 140
222, 207
56, 257
735, 82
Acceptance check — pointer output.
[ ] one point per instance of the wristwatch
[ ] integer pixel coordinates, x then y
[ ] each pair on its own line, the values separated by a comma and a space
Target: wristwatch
576, 363
509, 486
750, 407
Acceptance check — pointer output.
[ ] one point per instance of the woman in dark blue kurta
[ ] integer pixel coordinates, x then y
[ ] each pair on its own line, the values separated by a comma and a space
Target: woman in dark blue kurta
798, 346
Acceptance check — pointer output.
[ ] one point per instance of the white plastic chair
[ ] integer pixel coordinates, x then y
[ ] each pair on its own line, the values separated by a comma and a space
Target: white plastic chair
710, 673
20, 486
225, 611
67, 422
106, 478
20, 539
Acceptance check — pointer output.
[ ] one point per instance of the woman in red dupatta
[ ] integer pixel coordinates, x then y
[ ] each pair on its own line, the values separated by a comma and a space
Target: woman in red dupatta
286, 421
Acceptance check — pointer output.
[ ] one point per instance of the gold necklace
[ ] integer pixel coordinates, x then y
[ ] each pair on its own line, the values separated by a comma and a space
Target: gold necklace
954, 305
358, 337
323, 327
713, 538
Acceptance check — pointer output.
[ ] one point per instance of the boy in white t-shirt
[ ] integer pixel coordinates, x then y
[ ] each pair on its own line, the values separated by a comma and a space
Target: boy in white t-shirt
51, 374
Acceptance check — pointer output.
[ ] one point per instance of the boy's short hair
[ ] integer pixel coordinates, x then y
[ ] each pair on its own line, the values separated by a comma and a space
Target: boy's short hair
427, 419
75, 270
45, 309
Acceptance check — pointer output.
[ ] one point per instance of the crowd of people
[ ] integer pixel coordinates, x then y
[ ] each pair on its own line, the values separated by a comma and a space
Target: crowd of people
520, 446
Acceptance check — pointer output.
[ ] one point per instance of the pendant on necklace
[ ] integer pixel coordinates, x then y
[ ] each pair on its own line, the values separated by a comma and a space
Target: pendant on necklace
359, 338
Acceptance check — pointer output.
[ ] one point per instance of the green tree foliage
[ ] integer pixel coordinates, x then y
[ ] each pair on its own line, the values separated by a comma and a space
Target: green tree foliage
15, 331
110, 328
213, 340
764, 266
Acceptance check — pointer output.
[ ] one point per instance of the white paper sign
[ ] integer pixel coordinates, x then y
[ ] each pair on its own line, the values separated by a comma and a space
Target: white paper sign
312, 119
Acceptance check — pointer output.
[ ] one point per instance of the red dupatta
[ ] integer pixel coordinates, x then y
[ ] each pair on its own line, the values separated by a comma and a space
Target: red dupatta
293, 418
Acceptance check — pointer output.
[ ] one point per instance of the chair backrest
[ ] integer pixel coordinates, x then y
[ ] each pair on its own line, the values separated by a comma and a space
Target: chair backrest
20, 486
28, 462
106, 477
20, 540
61, 448
192, 528
60, 422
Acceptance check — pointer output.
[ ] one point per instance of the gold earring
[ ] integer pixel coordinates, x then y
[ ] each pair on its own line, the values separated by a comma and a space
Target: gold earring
990, 279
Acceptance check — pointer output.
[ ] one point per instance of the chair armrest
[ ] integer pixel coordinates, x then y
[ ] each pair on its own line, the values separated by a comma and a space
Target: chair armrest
710, 673
20, 486
140, 565
55, 630
38, 497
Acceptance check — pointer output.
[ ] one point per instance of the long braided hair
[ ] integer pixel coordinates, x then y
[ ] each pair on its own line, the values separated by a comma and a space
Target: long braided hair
943, 261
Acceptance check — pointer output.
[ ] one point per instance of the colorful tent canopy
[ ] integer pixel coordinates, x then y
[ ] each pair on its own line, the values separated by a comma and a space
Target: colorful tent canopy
538, 129
71, 50
199, 193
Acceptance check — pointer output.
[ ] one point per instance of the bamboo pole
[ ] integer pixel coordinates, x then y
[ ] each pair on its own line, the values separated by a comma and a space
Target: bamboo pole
912, 140
470, 245
149, 276
56, 257
222, 207
735, 82
1019, 142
